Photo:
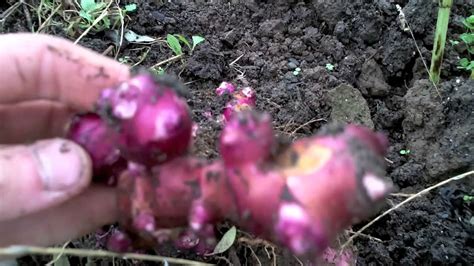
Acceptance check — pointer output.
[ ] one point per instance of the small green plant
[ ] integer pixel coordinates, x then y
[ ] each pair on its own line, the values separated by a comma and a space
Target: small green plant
174, 43
297, 71
91, 10
158, 70
125, 60
130, 7
329, 66
468, 198
404, 152
467, 63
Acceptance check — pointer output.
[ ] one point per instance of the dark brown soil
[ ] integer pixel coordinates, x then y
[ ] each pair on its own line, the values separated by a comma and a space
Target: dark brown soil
370, 51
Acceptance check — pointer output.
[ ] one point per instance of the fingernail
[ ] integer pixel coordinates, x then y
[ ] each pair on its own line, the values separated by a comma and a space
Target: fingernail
62, 165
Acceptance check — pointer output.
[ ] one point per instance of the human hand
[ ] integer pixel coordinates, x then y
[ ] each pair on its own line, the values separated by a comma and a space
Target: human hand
45, 192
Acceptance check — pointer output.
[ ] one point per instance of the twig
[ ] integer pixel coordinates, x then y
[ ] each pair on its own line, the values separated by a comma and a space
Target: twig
9, 12
373, 54
255, 256
43, 25
307, 123
258, 241
59, 255
142, 57
273, 254
403, 195
406, 27
414, 196
97, 20
27, 15
122, 30
366, 236
298, 260
224, 259
235, 61
108, 50
171, 59
255, 241
32, 250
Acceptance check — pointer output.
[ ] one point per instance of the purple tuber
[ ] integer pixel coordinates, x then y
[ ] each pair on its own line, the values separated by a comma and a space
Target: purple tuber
96, 138
300, 198
150, 118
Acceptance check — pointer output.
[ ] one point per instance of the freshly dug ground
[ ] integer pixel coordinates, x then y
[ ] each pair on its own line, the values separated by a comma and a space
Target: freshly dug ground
357, 64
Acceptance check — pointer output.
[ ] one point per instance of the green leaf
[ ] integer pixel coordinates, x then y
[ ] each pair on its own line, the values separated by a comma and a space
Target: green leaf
330, 67
469, 22
88, 5
174, 45
106, 21
226, 242
131, 7
83, 14
470, 49
468, 38
404, 152
183, 40
464, 62
197, 40
470, 66
99, 6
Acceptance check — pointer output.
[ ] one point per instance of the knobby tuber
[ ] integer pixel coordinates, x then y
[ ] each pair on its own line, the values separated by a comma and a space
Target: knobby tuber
151, 118
300, 196
90, 131
243, 99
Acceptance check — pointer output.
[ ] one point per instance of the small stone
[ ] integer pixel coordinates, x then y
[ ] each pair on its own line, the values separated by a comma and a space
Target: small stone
292, 65
349, 106
372, 80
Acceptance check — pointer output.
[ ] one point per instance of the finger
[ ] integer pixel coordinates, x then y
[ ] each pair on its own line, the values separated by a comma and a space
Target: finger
41, 175
37, 66
30, 121
75, 218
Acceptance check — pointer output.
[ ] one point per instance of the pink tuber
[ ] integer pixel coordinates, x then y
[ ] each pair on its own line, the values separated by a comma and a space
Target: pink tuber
243, 99
151, 119
300, 197
96, 137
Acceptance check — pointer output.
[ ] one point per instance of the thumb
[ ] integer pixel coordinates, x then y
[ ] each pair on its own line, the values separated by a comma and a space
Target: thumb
41, 175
